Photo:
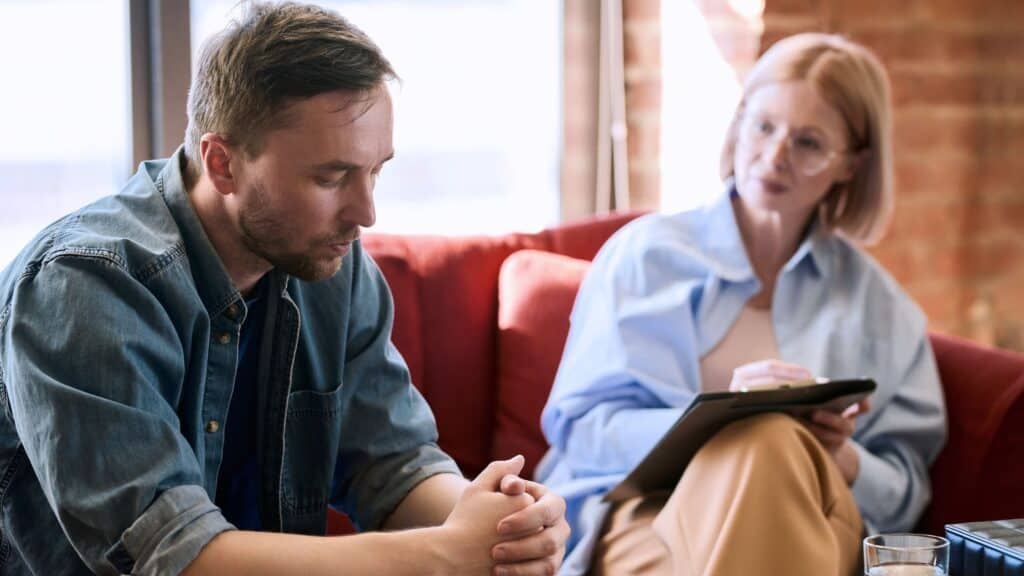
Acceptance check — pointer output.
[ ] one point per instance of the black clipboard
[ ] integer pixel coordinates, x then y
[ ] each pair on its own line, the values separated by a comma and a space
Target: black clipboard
664, 465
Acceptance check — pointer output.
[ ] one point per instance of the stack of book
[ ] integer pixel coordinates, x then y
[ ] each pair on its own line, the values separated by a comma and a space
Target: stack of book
986, 548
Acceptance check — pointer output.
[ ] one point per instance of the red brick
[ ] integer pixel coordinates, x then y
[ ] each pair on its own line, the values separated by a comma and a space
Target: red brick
641, 10
1009, 312
927, 179
580, 48
791, 7
998, 218
1001, 175
643, 94
924, 260
581, 81
943, 303
898, 259
642, 44
979, 87
994, 259
578, 136
875, 10
979, 134
644, 188
930, 131
1009, 13
934, 89
924, 221
644, 144
928, 43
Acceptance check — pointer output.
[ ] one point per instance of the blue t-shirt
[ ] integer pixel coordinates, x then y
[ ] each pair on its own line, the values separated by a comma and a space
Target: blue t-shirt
238, 480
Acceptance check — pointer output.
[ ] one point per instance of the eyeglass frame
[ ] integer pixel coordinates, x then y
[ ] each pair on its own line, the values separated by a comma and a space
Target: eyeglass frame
742, 140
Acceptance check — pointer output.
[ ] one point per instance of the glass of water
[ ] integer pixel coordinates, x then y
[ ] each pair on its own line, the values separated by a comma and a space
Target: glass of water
906, 555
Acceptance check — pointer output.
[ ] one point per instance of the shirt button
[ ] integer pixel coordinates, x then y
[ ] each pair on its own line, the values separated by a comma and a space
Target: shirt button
224, 338
233, 311
212, 426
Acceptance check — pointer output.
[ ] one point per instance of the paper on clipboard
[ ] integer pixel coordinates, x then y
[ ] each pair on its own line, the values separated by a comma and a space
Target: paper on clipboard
709, 413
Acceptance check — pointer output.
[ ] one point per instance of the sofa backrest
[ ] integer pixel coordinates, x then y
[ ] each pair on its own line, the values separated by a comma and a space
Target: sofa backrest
447, 327
446, 310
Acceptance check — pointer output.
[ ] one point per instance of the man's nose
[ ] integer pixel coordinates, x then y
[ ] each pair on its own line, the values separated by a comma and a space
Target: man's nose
361, 210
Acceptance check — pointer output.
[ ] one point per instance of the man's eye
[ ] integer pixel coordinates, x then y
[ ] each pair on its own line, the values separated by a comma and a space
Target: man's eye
330, 182
765, 127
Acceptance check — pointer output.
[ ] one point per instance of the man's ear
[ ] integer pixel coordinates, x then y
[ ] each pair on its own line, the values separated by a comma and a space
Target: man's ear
217, 154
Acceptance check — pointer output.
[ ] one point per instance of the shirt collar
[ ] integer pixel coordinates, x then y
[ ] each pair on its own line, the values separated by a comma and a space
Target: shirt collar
208, 272
815, 249
721, 237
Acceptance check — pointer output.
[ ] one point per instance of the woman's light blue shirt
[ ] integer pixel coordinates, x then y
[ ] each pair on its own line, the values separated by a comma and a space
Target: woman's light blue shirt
664, 291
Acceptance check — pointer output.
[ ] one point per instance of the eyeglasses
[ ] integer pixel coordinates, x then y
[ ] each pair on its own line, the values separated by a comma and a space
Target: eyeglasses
808, 150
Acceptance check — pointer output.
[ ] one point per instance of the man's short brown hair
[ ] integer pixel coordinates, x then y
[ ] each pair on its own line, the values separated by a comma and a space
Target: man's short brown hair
276, 54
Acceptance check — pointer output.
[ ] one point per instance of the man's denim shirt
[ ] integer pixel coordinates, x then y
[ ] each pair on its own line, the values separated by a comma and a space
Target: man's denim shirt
118, 346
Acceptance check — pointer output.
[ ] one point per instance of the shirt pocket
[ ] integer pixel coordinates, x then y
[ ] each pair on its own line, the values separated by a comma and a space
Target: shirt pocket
312, 434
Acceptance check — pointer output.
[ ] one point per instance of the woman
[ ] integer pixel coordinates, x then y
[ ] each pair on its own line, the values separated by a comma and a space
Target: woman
765, 285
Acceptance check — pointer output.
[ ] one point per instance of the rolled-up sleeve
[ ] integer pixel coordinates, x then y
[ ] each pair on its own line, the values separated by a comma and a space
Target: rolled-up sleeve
90, 358
897, 446
389, 435
623, 380
170, 534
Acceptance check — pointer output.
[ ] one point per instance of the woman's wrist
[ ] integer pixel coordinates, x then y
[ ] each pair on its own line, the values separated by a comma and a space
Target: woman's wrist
848, 461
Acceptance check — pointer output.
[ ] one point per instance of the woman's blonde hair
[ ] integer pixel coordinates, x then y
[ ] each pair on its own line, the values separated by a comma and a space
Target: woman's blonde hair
852, 79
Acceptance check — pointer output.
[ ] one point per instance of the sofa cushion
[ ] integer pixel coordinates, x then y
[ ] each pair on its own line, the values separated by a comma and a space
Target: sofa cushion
583, 238
446, 308
536, 291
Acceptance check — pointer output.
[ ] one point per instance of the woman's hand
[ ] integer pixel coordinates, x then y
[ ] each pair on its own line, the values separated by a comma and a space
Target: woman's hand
834, 430
831, 429
766, 374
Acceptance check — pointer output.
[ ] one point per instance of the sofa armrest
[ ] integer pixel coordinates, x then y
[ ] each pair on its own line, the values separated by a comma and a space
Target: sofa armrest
979, 474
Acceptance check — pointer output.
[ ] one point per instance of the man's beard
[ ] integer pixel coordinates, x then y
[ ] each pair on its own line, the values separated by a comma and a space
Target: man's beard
266, 235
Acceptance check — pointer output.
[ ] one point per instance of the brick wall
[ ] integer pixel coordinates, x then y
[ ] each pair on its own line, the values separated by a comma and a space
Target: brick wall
957, 69
642, 54
641, 45
580, 49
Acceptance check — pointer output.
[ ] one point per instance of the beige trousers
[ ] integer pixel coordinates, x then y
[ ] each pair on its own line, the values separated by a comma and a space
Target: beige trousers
763, 497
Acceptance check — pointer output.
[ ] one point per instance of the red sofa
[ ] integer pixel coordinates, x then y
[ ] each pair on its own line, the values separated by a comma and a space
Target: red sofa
482, 321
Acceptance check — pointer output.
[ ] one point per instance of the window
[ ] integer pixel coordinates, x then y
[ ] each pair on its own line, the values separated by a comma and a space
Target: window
477, 109
699, 95
64, 111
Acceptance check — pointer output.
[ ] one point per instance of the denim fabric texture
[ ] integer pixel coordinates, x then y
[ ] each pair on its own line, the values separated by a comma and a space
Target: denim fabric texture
118, 348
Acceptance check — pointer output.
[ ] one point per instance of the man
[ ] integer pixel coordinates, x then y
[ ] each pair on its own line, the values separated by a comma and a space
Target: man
203, 361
